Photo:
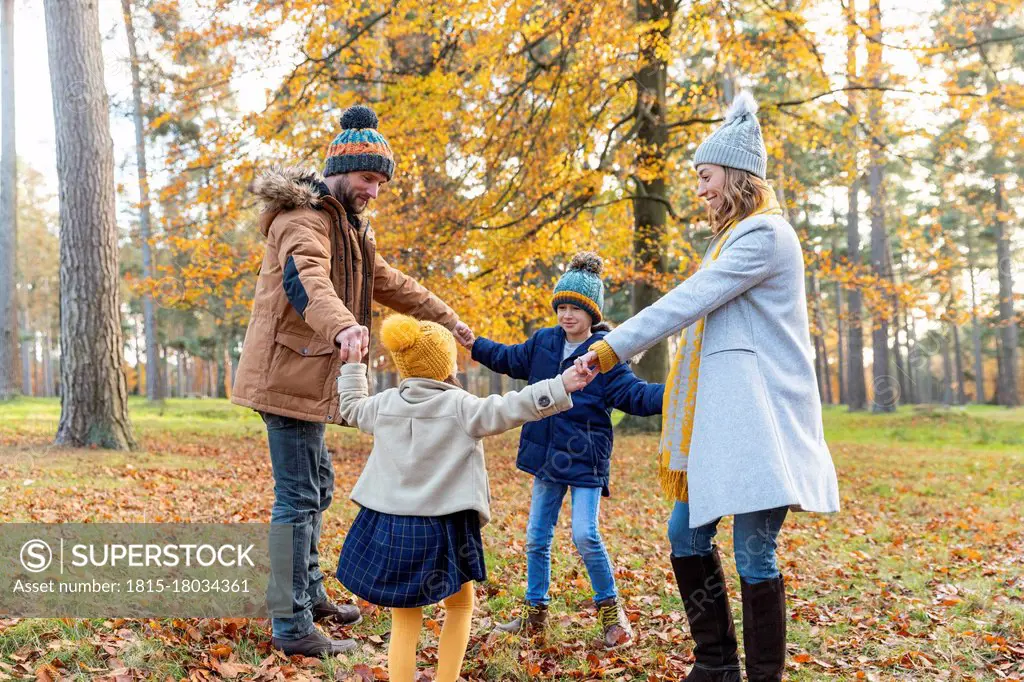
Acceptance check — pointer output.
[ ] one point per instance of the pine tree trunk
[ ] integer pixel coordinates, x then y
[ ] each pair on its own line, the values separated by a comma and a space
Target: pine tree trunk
947, 374
94, 402
649, 210
153, 388
496, 383
48, 383
958, 365
28, 351
856, 390
885, 391
979, 366
8, 209
840, 339
1007, 393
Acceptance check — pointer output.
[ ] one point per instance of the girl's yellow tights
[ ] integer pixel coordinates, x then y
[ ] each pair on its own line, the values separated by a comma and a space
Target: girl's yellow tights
405, 635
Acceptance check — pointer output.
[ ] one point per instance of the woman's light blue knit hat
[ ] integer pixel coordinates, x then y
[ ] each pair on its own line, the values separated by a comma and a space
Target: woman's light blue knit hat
581, 285
738, 143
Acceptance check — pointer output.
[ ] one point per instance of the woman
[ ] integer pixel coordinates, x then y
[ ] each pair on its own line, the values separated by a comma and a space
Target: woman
742, 431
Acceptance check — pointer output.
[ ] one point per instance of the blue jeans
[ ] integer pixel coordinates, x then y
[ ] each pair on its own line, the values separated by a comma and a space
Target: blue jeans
303, 490
755, 539
544, 507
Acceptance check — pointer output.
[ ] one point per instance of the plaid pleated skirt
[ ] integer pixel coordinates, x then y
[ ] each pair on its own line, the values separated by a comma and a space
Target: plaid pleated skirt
410, 561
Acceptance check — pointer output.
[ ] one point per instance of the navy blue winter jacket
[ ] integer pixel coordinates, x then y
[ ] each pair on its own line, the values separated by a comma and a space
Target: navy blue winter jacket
573, 447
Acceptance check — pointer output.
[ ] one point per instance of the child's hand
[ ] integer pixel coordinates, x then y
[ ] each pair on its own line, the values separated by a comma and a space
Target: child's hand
575, 378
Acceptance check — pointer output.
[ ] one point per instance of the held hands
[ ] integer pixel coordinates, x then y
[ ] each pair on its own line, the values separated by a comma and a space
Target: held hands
575, 378
464, 335
354, 343
587, 362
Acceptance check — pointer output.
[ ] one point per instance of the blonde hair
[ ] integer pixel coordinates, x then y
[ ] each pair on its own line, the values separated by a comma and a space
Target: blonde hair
742, 194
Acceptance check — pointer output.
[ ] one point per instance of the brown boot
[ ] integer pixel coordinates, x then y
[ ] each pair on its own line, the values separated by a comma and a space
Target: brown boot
615, 626
702, 587
314, 644
533, 621
764, 629
342, 614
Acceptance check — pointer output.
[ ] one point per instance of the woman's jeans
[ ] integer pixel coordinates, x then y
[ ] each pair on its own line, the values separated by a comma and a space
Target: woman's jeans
544, 507
755, 539
303, 490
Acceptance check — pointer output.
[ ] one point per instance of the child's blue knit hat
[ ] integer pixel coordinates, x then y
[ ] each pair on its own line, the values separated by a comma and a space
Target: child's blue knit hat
581, 285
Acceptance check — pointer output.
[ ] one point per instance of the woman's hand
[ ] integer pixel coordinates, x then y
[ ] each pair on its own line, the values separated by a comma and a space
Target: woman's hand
587, 361
575, 379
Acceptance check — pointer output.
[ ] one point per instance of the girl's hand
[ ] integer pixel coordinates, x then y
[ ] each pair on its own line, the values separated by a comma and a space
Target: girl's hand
575, 379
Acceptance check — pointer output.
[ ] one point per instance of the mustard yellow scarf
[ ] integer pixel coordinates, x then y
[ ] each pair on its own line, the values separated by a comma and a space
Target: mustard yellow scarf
680, 400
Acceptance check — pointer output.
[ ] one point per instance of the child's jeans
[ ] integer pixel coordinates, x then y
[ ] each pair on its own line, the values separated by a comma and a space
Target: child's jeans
544, 507
755, 539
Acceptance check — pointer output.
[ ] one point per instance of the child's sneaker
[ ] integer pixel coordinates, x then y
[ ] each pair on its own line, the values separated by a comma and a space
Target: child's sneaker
533, 622
614, 624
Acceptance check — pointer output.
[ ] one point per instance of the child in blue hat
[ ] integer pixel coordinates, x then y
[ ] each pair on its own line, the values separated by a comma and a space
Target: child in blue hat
571, 452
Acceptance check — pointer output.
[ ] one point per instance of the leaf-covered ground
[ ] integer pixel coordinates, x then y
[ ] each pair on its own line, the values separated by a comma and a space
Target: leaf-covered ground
921, 577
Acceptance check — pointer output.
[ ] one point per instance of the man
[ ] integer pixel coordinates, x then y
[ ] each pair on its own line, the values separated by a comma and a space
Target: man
311, 313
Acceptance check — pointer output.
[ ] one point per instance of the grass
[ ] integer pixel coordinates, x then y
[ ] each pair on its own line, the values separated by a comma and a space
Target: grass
920, 577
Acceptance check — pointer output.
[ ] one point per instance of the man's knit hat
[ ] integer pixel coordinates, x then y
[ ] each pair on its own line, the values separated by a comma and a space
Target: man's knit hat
738, 143
581, 285
359, 147
425, 350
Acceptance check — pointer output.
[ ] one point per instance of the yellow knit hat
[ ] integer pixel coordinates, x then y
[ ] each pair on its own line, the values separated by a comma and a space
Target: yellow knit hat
420, 349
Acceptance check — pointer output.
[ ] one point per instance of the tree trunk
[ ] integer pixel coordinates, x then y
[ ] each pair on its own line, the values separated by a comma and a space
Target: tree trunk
840, 337
979, 367
28, 351
496, 386
885, 391
820, 349
94, 402
856, 391
153, 388
649, 209
8, 209
48, 384
1007, 393
947, 373
958, 365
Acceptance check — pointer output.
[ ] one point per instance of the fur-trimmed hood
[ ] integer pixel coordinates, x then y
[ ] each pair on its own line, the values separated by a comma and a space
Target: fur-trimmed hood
287, 188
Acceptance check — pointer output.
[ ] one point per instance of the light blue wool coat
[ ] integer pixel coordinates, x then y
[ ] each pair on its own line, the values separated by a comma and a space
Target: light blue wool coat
758, 441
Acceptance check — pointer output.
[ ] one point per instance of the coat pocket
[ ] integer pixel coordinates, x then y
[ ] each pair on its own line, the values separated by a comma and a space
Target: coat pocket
301, 366
736, 464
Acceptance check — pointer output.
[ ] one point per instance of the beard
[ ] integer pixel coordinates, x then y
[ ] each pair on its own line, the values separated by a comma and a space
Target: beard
349, 198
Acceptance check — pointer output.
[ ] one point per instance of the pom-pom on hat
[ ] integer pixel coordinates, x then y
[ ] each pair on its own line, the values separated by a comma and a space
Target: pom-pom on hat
424, 350
581, 285
738, 143
359, 147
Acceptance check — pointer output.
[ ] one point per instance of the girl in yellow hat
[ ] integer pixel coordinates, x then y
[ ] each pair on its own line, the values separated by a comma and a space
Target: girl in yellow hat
424, 493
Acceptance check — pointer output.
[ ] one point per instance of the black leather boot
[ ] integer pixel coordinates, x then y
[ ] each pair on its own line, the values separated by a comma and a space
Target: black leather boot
764, 629
702, 587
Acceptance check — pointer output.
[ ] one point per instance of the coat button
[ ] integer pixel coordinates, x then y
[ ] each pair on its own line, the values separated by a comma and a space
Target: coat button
544, 401
305, 351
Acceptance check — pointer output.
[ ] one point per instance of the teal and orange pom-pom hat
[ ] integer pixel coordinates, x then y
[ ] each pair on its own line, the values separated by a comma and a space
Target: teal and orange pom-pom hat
581, 285
359, 147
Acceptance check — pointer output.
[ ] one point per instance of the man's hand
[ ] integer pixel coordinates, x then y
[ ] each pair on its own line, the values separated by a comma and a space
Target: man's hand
354, 343
575, 379
464, 335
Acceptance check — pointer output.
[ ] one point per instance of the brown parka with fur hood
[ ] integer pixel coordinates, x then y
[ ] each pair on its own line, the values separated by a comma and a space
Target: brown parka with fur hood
320, 274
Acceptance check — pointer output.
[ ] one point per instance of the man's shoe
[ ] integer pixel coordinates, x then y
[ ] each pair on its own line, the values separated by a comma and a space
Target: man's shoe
341, 614
614, 624
313, 645
534, 621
